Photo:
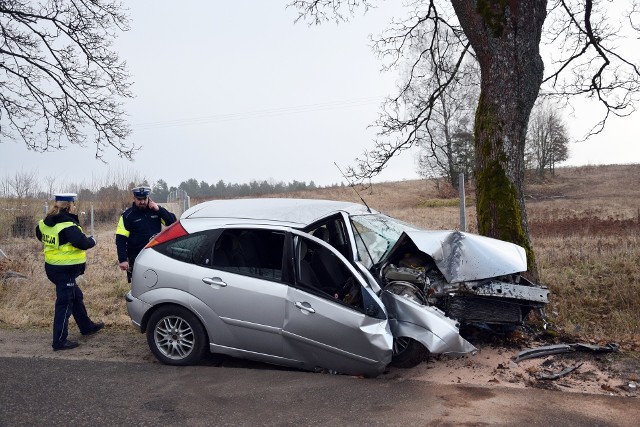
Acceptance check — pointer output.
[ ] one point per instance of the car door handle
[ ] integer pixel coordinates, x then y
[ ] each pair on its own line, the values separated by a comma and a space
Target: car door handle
214, 281
304, 306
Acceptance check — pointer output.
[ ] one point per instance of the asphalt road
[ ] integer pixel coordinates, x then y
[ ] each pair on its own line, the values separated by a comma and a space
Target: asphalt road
38, 392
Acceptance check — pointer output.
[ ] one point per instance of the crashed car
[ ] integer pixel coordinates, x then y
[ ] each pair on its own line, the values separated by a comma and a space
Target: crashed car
318, 284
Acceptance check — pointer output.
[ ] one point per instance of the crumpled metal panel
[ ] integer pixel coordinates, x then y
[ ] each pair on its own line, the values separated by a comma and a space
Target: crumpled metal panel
499, 289
463, 256
425, 324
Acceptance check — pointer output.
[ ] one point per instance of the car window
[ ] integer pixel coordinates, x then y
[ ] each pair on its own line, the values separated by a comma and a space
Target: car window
333, 232
321, 272
250, 252
193, 248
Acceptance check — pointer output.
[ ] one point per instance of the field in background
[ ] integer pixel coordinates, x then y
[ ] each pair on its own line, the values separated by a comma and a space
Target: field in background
584, 222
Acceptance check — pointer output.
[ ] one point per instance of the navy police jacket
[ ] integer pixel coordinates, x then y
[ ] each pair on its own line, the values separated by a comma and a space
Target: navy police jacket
136, 227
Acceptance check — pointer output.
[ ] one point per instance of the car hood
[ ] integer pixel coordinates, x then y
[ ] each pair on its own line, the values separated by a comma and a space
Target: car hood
464, 256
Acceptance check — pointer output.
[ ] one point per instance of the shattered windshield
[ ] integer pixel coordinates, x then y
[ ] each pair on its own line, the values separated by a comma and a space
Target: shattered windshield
375, 236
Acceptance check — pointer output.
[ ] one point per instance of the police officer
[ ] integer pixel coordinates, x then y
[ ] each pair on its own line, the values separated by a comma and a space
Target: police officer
65, 259
137, 225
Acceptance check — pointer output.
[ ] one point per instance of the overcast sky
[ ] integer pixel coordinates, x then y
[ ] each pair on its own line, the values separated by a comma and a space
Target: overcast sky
235, 91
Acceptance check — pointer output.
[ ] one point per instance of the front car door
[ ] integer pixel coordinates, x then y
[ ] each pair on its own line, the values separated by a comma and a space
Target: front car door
332, 319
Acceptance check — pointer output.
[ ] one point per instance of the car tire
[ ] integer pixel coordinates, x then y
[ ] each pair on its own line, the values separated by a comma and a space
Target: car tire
407, 353
176, 336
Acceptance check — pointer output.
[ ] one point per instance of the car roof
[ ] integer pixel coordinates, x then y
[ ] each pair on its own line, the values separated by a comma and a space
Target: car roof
290, 212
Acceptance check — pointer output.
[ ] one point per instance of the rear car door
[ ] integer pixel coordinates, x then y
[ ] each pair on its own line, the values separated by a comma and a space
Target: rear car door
239, 277
332, 320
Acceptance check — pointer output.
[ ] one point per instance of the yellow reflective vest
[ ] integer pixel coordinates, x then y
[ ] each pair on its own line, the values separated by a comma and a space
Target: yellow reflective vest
57, 254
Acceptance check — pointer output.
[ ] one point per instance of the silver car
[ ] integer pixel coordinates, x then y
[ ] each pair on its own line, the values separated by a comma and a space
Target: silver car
318, 284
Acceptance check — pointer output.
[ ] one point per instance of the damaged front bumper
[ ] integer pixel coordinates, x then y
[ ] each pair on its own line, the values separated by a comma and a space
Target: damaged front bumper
499, 289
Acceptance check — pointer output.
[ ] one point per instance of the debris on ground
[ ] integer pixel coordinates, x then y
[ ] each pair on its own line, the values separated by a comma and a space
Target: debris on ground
562, 373
548, 350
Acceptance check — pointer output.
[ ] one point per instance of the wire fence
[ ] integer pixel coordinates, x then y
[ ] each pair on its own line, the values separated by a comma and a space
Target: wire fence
19, 217
178, 201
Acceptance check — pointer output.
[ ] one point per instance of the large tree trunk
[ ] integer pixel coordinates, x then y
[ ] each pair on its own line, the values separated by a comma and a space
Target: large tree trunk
505, 35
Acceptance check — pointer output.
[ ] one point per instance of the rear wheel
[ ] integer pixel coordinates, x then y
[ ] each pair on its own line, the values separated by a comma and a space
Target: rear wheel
176, 336
407, 353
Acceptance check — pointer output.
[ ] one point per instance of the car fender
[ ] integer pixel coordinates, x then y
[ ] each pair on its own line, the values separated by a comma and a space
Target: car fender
425, 324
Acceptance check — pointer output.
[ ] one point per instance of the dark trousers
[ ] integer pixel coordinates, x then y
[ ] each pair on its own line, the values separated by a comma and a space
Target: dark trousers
131, 259
69, 301
130, 269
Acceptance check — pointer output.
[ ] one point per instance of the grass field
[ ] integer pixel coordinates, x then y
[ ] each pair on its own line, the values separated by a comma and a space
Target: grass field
584, 222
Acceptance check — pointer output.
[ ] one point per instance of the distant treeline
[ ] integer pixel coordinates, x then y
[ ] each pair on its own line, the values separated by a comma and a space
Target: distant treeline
203, 190
27, 185
223, 189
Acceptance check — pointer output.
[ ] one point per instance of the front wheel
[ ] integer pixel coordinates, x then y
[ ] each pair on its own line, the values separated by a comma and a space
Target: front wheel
407, 352
176, 336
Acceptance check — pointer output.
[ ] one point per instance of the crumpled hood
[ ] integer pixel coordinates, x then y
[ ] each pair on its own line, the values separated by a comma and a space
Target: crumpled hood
464, 256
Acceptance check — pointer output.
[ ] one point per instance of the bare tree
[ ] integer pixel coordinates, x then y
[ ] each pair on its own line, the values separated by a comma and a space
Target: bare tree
547, 139
22, 184
61, 81
5, 189
446, 140
50, 183
447, 145
505, 39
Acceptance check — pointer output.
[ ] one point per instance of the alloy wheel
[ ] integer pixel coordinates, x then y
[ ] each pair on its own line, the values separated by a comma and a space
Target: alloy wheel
174, 337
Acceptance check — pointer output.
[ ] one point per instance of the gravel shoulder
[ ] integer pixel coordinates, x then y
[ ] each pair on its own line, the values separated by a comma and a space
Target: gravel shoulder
493, 366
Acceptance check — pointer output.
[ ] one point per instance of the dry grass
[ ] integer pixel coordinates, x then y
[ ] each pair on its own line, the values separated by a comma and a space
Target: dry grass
585, 227
595, 284
27, 303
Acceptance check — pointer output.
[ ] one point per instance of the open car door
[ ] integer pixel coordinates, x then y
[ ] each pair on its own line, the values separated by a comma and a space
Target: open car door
332, 318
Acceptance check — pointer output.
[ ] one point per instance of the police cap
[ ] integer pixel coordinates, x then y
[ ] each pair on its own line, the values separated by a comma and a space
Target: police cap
141, 191
66, 197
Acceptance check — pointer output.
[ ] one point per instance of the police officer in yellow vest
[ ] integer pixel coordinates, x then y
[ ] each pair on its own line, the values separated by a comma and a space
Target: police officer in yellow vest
137, 225
65, 258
